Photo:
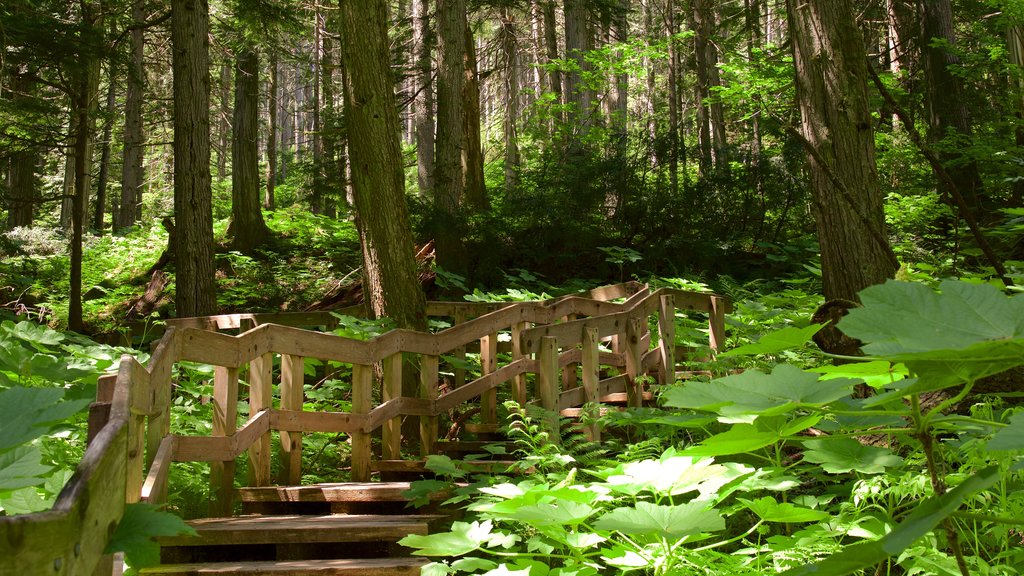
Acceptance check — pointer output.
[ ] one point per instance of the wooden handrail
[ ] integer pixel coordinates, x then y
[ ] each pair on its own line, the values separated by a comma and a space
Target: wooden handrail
566, 332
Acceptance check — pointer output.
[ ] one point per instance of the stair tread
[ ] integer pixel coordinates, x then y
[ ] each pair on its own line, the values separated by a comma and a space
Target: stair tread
299, 529
334, 492
345, 567
420, 465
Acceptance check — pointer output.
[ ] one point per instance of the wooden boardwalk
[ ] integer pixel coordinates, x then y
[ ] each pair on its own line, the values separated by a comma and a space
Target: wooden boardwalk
560, 354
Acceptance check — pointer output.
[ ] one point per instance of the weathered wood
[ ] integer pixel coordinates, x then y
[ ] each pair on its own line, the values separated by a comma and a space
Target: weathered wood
335, 492
154, 489
241, 530
70, 538
634, 350
547, 381
591, 369
429, 392
160, 366
394, 409
459, 353
519, 380
330, 422
225, 423
291, 390
716, 323
362, 402
488, 365
392, 390
337, 567
667, 339
260, 399
477, 387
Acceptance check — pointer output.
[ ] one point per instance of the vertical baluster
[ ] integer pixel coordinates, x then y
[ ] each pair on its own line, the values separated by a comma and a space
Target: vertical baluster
547, 381
716, 324
519, 381
260, 398
591, 363
459, 353
428, 391
667, 337
569, 379
362, 402
392, 389
225, 422
292, 379
488, 364
634, 389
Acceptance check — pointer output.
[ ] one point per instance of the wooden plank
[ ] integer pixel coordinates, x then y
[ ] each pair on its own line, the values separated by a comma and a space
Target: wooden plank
260, 399
429, 392
69, 539
667, 339
459, 353
394, 409
362, 401
547, 382
634, 332
203, 448
297, 342
336, 492
225, 423
519, 380
716, 324
650, 361
391, 434
336, 567
160, 365
488, 365
292, 529
460, 395
209, 348
331, 422
591, 375
154, 489
291, 390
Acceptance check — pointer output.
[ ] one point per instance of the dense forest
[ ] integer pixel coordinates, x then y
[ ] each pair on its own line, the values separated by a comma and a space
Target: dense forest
854, 161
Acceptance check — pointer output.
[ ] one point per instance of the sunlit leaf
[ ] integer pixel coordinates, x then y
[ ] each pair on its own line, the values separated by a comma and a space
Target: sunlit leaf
738, 439
840, 455
789, 337
663, 521
462, 539
769, 510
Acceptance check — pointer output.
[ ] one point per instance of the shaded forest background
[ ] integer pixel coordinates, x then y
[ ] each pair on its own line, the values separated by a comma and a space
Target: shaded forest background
572, 139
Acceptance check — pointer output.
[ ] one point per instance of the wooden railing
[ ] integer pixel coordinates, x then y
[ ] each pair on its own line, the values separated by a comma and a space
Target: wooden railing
132, 449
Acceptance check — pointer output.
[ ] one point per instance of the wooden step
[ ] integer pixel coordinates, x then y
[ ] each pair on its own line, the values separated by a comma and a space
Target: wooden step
344, 567
471, 447
296, 529
340, 492
419, 466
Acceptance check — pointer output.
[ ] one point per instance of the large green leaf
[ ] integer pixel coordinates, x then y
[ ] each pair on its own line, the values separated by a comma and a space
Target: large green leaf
921, 521
737, 440
666, 476
38, 335
790, 337
965, 332
21, 467
140, 523
840, 455
663, 521
757, 393
770, 510
462, 539
27, 413
558, 511
1011, 437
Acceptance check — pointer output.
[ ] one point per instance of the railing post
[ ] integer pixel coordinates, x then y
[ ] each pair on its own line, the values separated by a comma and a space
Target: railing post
569, 372
428, 391
292, 379
716, 324
225, 421
362, 402
488, 364
667, 338
459, 353
634, 388
547, 382
591, 367
260, 398
392, 389
518, 381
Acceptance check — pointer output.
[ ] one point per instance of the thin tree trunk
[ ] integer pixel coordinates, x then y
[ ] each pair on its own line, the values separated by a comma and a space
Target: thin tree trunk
224, 121
674, 66
132, 175
831, 82
555, 84
22, 168
576, 93
247, 229
195, 289
389, 267
510, 49
319, 199
104, 175
272, 109
423, 104
328, 126
475, 192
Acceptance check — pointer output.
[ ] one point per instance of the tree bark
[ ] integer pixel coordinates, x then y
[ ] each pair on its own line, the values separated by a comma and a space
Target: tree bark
224, 119
509, 52
247, 229
475, 191
132, 175
423, 105
831, 82
272, 109
104, 175
449, 180
195, 289
22, 192
389, 265
577, 95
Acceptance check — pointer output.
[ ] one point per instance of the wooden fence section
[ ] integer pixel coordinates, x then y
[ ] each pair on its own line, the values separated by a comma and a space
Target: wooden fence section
562, 346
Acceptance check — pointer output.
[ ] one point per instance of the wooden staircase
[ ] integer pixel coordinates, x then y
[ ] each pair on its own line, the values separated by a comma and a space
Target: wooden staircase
349, 529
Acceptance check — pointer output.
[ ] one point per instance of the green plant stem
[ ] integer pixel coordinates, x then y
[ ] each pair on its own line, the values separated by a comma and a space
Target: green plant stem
969, 420
827, 410
948, 402
730, 540
988, 518
938, 485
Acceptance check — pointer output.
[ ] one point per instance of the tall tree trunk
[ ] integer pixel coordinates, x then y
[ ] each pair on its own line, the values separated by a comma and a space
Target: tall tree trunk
104, 175
674, 66
509, 51
449, 181
319, 199
1015, 43
576, 93
132, 176
224, 120
389, 267
68, 184
272, 110
948, 116
247, 229
84, 105
328, 126
554, 77
711, 116
475, 192
423, 105
831, 82
23, 194
195, 289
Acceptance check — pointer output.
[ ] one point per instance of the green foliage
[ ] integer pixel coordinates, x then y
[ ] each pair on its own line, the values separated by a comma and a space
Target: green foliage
135, 532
